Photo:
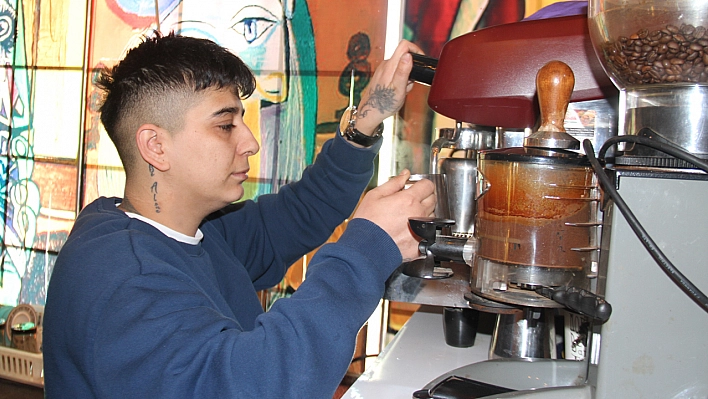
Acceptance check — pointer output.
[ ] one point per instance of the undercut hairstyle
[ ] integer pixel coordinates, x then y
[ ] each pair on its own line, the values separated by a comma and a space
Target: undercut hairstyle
158, 80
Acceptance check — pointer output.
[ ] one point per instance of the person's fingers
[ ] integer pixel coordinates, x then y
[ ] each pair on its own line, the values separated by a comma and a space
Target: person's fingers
390, 67
403, 71
393, 185
422, 188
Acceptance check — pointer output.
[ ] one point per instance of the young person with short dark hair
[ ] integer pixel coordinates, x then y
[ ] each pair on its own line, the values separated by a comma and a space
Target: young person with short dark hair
154, 295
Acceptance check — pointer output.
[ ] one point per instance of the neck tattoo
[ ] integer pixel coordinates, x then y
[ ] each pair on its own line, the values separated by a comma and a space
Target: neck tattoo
153, 190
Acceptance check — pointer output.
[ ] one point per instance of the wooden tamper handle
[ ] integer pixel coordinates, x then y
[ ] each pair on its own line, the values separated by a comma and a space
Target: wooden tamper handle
554, 86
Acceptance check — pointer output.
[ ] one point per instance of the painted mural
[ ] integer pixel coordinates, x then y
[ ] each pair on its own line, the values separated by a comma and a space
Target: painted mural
19, 203
55, 157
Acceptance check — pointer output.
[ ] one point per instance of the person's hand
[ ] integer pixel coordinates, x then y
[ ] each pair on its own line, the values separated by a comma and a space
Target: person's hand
387, 89
389, 206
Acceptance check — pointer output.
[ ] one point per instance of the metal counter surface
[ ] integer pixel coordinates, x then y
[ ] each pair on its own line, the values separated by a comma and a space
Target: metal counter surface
417, 355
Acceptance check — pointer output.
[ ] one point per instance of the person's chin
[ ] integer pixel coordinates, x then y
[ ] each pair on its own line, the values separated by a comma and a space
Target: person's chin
237, 193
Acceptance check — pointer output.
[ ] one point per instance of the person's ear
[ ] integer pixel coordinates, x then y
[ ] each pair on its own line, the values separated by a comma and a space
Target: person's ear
151, 141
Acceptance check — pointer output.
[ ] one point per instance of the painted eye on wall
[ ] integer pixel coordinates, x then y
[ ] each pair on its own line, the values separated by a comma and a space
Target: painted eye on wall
252, 22
253, 28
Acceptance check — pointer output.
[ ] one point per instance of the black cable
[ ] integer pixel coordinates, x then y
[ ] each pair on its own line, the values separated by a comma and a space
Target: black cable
664, 263
666, 148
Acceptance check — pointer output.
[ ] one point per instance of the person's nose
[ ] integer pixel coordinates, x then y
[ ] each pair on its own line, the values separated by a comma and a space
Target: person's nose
248, 145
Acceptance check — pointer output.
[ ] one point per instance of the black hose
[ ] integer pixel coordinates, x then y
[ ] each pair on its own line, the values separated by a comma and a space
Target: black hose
664, 263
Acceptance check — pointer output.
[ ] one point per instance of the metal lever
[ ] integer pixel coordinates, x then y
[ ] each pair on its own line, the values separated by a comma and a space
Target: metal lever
444, 247
427, 267
427, 228
580, 301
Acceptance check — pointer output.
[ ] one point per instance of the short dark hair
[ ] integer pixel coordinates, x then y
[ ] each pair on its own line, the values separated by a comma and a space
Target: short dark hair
142, 87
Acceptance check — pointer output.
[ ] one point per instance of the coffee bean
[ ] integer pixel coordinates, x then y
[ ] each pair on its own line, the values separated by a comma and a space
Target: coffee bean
687, 29
666, 38
672, 54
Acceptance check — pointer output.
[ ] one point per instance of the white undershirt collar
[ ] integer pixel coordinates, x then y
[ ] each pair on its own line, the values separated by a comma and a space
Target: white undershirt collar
176, 235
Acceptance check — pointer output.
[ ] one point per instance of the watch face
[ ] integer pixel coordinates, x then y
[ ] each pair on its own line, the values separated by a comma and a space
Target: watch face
346, 119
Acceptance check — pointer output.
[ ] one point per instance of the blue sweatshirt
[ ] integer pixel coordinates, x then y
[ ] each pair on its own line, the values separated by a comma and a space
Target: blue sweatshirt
132, 313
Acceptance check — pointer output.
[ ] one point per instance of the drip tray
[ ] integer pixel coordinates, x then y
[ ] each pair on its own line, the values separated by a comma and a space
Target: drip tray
512, 378
456, 387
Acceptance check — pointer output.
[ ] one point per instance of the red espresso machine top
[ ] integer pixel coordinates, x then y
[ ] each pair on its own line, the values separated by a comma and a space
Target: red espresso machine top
488, 77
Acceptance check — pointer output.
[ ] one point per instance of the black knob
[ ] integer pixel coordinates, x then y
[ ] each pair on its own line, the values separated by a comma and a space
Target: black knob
423, 69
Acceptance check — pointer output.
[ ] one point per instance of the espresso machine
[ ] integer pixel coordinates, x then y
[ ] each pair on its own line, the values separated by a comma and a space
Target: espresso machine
612, 231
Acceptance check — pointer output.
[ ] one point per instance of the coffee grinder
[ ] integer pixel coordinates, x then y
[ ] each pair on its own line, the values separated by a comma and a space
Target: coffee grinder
525, 326
650, 345
534, 247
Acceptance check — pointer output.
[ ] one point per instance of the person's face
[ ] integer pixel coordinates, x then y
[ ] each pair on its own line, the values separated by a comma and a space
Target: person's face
254, 30
209, 155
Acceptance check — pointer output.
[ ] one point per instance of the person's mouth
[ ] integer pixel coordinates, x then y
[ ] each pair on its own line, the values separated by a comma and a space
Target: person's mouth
241, 175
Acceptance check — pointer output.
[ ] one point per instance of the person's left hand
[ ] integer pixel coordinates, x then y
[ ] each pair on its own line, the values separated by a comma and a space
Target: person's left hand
387, 89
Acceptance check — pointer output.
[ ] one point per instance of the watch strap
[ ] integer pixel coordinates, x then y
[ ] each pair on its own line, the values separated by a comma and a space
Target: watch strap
353, 135
347, 127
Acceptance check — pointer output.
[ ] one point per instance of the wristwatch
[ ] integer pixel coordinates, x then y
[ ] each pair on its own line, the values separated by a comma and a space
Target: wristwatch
348, 129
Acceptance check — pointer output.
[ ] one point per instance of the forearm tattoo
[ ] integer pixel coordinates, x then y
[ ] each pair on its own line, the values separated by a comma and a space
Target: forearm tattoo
381, 98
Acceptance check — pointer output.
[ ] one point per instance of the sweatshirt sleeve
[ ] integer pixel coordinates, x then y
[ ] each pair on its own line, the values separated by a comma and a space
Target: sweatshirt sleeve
161, 337
268, 235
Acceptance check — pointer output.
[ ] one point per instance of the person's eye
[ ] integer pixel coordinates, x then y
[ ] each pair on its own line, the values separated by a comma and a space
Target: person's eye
227, 128
252, 28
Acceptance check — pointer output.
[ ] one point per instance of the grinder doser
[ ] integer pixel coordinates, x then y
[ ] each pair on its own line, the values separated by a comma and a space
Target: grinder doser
481, 78
537, 230
534, 245
536, 224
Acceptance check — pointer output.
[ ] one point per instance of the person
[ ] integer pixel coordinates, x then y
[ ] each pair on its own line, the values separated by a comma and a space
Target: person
275, 39
155, 294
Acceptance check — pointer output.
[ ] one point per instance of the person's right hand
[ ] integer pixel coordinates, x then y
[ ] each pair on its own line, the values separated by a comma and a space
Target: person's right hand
387, 89
389, 206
